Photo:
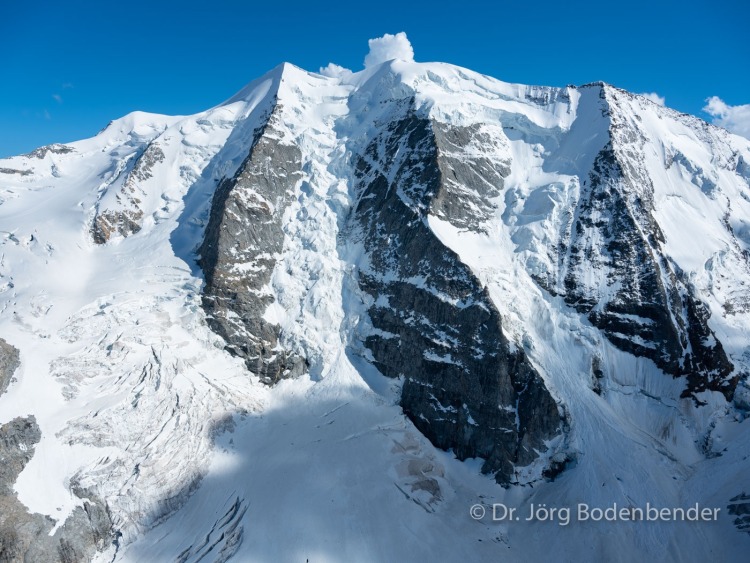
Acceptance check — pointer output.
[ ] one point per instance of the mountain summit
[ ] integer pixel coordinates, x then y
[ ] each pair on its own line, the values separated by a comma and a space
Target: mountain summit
331, 316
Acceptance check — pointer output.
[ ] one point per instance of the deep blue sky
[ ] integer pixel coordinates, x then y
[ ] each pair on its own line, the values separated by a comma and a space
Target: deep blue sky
105, 59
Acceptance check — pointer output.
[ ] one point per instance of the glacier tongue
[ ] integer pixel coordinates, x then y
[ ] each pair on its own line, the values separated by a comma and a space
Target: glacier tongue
384, 237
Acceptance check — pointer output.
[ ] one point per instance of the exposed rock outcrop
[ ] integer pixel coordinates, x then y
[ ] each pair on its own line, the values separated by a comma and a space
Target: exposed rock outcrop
472, 163
465, 386
243, 239
16, 171
26, 537
55, 148
124, 216
640, 299
739, 508
9, 362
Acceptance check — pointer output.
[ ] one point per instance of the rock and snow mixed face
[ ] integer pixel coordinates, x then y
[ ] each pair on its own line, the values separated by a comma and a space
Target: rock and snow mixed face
274, 328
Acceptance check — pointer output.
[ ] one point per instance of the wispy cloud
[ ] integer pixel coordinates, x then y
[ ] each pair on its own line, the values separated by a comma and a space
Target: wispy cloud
57, 98
67, 85
47, 115
654, 97
732, 118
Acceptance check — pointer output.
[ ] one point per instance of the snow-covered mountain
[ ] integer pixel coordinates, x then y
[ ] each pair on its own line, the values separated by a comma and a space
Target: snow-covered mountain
325, 318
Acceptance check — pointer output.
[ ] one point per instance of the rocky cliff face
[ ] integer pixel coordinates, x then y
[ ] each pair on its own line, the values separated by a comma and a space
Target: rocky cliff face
25, 536
614, 268
33, 537
243, 239
434, 325
125, 217
9, 362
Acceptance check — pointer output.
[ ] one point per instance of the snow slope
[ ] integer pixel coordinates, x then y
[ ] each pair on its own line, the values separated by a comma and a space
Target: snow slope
138, 401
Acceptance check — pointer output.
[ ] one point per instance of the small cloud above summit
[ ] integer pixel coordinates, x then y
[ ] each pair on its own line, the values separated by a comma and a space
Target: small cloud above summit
382, 49
732, 118
654, 97
389, 47
334, 71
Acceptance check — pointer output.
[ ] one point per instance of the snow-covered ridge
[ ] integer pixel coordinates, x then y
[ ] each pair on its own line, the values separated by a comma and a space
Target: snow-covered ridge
139, 404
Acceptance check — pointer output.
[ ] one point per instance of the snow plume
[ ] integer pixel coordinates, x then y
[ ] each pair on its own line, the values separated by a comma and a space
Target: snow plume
732, 118
654, 97
389, 47
334, 71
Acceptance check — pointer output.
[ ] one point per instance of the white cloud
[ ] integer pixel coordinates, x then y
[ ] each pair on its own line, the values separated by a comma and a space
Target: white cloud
58, 98
389, 47
654, 97
733, 118
334, 71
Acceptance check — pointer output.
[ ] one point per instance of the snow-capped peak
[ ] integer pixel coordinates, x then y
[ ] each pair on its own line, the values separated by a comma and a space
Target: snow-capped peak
358, 301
